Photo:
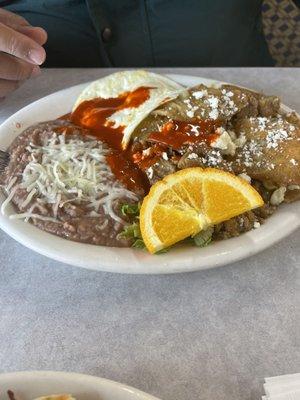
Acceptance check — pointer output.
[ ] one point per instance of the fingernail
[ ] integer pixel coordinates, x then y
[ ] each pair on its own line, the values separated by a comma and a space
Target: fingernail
36, 71
37, 56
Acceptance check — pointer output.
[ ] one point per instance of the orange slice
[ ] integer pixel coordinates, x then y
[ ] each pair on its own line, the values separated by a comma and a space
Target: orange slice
184, 203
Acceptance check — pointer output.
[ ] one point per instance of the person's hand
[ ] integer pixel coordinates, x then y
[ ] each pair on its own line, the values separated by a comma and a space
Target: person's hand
21, 51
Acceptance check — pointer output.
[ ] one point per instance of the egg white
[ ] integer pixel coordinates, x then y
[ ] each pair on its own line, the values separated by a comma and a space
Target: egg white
162, 90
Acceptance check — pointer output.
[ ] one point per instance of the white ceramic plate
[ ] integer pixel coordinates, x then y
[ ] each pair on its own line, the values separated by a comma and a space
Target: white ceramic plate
183, 259
32, 384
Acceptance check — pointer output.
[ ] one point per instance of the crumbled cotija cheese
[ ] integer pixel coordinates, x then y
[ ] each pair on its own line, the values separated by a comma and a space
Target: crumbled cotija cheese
275, 136
262, 122
150, 172
214, 114
293, 187
277, 130
229, 107
252, 151
245, 177
200, 93
191, 109
213, 159
278, 196
224, 142
192, 156
146, 152
293, 161
213, 103
216, 106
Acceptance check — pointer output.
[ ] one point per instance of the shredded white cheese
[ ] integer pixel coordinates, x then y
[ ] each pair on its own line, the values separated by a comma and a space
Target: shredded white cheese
63, 172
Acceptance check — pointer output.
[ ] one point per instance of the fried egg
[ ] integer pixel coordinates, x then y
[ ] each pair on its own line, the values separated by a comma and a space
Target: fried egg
161, 90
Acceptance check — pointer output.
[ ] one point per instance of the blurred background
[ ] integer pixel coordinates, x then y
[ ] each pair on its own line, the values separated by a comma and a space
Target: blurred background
192, 33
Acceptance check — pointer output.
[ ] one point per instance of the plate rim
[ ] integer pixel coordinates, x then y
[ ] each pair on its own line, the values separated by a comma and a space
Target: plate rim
137, 267
31, 374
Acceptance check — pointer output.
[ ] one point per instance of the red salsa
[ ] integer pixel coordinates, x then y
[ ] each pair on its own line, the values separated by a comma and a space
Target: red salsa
178, 133
127, 165
94, 115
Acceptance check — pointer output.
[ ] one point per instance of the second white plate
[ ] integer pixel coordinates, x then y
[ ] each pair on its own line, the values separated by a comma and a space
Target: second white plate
29, 385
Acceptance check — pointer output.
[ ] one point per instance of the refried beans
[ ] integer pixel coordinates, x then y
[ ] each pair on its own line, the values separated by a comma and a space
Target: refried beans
87, 214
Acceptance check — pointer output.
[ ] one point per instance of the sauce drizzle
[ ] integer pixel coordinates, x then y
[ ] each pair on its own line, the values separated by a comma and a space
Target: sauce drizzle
175, 134
94, 115
178, 133
128, 166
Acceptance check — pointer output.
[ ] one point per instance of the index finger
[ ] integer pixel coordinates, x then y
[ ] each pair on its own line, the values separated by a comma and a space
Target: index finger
9, 18
21, 46
39, 35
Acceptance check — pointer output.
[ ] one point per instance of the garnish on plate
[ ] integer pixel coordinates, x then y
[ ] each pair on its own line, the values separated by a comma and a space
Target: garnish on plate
132, 231
190, 201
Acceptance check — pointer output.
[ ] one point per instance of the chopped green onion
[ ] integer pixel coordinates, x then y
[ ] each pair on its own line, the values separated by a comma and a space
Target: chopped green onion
131, 209
203, 238
162, 251
130, 231
139, 244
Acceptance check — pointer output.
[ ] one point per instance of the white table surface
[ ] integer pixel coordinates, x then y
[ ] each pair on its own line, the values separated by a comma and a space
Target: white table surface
200, 336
